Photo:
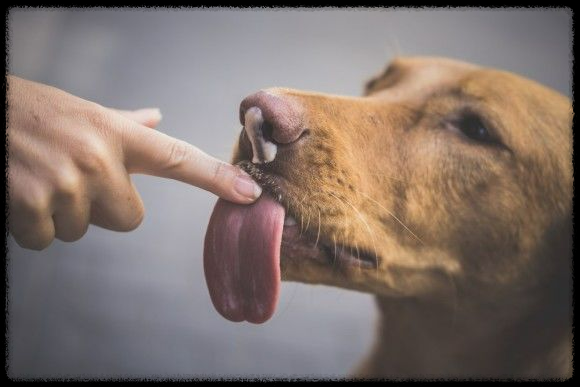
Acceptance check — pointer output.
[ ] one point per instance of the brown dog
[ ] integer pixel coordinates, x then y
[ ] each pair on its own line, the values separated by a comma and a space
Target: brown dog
446, 191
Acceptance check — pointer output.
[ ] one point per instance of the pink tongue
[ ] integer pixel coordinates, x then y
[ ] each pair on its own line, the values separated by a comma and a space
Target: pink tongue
242, 259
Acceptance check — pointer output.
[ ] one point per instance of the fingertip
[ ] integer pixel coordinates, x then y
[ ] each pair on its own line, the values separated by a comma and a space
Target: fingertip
149, 117
155, 112
246, 187
231, 183
243, 191
237, 198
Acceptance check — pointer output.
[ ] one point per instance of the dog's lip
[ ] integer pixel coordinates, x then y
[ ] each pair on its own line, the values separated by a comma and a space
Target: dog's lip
298, 244
299, 241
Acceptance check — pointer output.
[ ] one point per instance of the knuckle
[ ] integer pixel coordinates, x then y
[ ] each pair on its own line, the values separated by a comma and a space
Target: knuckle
96, 115
179, 153
95, 159
222, 177
68, 184
219, 171
35, 204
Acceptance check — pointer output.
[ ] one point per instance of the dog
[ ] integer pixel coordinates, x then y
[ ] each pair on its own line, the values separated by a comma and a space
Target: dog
445, 191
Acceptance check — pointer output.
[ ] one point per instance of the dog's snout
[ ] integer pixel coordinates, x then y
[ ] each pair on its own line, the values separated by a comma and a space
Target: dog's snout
270, 120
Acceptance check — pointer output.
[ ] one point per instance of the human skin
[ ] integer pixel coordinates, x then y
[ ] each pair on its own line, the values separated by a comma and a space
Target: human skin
70, 162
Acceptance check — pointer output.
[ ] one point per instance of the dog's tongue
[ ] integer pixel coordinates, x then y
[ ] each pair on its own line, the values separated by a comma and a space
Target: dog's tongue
242, 258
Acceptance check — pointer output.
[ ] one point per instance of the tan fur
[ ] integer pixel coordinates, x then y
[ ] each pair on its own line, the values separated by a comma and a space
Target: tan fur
472, 241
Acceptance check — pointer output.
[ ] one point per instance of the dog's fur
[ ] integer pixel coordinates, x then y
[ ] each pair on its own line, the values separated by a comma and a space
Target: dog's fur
470, 240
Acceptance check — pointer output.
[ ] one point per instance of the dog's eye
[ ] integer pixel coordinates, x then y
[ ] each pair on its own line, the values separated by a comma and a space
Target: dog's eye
473, 127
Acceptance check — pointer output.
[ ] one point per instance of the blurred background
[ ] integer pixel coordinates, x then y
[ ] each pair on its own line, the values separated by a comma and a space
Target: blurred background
136, 304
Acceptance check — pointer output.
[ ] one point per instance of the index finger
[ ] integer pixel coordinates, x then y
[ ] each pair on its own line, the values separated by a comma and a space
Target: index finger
155, 153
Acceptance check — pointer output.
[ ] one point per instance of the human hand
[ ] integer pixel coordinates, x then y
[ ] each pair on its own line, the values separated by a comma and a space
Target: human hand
70, 161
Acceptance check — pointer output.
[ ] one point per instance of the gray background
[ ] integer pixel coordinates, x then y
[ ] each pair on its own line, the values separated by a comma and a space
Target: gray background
136, 304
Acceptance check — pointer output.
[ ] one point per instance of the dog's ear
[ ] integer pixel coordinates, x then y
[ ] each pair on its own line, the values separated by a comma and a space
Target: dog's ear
392, 71
369, 85
373, 83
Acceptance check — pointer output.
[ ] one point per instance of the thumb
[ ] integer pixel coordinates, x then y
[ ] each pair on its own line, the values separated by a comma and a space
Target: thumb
155, 153
149, 117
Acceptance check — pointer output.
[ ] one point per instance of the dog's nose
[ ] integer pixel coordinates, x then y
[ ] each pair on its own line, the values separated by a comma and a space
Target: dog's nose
270, 119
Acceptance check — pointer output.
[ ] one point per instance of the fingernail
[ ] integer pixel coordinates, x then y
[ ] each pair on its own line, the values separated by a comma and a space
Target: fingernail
245, 186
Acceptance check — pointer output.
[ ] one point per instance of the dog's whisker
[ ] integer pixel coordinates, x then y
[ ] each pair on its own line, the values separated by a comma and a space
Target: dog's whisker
345, 222
393, 48
397, 47
358, 257
307, 221
302, 212
392, 215
318, 234
289, 301
334, 260
365, 223
386, 176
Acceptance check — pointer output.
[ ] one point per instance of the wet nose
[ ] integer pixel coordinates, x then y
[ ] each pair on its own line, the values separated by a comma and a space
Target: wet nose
270, 119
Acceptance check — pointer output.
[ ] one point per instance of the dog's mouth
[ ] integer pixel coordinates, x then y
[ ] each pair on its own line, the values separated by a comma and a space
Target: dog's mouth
300, 241
243, 246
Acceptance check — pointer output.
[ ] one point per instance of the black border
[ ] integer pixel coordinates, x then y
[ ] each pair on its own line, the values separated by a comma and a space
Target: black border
309, 5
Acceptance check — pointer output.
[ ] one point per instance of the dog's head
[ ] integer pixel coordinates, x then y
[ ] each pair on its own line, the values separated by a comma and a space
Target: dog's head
442, 170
